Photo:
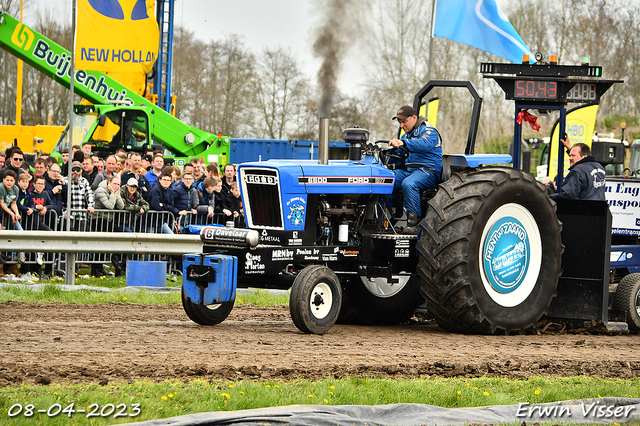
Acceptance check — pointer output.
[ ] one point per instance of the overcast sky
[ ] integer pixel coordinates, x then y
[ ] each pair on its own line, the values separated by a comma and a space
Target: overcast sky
262, 23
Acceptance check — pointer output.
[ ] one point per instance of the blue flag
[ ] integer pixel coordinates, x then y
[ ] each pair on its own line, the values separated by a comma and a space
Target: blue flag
481, 24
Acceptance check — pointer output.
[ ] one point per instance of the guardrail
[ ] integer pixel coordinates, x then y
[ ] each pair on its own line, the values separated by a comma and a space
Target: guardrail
103, 237
99, 242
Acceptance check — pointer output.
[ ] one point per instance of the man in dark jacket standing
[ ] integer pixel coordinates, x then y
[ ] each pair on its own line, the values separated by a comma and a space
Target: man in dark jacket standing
185, 198
185, 195
56, 188
137, 172
162, 200
89, 171
586, 177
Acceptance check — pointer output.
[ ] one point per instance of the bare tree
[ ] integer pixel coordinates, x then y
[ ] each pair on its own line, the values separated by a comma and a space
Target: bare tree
46, 98
189, 75
628, 62
8, 75
44, 101
228, 94
281, 91
397, 47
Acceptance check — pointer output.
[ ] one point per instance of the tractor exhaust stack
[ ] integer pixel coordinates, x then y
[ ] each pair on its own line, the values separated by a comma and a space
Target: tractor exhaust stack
323, 141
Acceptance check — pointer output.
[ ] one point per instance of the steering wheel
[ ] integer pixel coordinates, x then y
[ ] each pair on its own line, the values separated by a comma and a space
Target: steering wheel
390, 153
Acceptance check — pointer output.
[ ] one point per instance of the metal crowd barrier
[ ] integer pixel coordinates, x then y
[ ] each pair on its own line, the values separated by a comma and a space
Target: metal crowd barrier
100, 221
110, 221
122, 221
32, 222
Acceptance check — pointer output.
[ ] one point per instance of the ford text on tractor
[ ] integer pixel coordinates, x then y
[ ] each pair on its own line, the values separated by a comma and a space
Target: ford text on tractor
487, 258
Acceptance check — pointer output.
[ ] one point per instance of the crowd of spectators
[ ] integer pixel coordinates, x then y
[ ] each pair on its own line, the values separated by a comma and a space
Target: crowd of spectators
33, 196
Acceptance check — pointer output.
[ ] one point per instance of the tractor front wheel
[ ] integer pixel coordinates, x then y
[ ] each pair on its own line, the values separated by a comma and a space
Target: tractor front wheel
315, 299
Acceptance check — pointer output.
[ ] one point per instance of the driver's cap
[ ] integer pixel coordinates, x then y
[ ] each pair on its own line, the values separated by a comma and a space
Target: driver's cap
404, 112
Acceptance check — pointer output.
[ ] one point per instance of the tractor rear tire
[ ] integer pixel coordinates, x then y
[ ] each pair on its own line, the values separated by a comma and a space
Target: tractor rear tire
628, 298
206, 314
489, 252
362, 306
316, 297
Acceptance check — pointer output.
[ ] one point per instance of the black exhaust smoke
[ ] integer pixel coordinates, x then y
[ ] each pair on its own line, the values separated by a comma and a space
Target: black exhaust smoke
334, 36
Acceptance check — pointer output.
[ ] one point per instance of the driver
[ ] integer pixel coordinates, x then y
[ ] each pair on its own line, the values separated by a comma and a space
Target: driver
423, 164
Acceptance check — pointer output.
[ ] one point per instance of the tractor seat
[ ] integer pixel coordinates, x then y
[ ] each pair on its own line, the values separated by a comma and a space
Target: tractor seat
428, 194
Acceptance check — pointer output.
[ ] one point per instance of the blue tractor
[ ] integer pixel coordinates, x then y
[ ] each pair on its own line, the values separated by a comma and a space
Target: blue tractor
487, 258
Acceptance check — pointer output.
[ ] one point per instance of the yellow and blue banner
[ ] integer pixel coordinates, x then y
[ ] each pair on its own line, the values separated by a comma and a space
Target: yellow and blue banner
434, 104
480, 24
580, 125
118, 37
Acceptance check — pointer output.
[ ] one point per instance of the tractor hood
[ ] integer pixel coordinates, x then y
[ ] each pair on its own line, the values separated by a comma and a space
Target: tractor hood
367, 176
274, 192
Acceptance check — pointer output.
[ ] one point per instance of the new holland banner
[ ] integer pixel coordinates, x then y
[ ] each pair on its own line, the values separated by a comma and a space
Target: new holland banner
118, 37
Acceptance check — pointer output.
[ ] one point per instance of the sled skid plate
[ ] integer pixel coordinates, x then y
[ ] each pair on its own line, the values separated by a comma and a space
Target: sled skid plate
617, 327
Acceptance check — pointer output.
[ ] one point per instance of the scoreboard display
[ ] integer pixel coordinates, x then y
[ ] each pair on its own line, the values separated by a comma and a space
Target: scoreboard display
549, 83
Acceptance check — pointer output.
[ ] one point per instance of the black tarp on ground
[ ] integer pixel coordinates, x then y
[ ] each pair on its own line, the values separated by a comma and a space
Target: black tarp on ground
587, 411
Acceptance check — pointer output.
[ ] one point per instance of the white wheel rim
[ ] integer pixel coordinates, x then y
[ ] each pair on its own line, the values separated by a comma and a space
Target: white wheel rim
636, 303
213, 307
321, 300
510, 255
381, 287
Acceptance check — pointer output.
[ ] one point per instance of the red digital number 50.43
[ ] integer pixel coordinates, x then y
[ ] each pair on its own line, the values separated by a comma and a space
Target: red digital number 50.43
532, 89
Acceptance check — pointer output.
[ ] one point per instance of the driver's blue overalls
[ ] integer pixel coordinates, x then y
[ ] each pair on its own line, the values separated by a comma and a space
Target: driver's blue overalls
425, 164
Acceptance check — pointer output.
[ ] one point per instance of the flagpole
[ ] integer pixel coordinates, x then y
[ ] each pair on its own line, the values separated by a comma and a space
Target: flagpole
19, 86
70, 277
430, 63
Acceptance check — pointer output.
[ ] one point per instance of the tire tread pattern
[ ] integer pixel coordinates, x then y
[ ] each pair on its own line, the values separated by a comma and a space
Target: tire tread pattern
445, 248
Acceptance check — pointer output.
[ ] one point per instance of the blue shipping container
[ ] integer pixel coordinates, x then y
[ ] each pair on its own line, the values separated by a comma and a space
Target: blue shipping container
245, 150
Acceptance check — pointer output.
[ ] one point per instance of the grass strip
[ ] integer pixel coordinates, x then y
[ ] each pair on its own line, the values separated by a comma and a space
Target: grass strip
53, 293
173, 398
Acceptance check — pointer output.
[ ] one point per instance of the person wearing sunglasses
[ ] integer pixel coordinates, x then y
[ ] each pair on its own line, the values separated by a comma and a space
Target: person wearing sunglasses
55, 187
14, 160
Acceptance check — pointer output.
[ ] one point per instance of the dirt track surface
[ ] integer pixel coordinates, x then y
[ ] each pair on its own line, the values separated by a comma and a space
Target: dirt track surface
55, 342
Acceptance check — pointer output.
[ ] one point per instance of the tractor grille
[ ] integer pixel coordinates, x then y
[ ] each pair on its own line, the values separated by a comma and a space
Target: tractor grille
261, 189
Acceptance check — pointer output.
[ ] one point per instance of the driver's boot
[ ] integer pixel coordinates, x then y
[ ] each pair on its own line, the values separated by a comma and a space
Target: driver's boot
413, 221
